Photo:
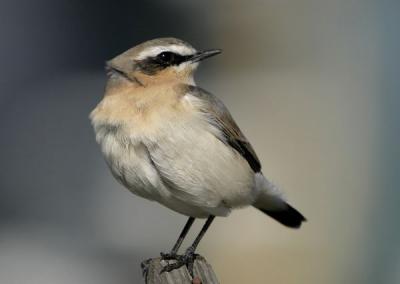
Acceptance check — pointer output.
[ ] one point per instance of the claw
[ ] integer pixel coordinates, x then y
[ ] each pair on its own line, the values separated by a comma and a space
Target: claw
170, 267
169, 255
187, 259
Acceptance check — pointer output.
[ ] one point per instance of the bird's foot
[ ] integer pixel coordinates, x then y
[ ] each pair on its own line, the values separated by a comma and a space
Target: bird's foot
169, 255
187, 259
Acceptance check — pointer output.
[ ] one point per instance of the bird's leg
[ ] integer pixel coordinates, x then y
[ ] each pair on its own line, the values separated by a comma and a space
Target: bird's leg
174, 252
196, 242
189, 256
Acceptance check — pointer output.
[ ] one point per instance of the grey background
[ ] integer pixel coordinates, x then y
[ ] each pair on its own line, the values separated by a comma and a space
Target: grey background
313, 84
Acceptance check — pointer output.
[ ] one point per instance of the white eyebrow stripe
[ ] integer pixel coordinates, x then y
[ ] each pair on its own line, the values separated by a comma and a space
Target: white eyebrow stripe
153, 51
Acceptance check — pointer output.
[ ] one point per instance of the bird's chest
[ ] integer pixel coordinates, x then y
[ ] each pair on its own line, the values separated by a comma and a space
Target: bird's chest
126, 158
126, 136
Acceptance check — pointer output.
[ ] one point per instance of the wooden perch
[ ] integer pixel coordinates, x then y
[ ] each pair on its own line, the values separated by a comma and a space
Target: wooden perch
203, 272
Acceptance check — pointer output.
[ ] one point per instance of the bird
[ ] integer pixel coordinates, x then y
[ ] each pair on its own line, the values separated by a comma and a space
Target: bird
168, 140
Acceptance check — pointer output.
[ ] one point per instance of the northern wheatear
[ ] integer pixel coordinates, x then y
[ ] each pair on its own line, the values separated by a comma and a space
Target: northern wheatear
167, 140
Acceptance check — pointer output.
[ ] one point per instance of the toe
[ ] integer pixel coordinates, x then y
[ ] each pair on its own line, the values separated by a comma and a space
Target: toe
168, 256
170, 267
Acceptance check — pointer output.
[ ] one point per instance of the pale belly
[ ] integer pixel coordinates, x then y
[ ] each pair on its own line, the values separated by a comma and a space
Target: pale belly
185, 168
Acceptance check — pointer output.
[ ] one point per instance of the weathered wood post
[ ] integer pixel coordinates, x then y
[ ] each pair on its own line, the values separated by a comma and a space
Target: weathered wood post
203, 272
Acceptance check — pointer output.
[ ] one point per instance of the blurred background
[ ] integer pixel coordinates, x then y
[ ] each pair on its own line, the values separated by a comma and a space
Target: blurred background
313, 84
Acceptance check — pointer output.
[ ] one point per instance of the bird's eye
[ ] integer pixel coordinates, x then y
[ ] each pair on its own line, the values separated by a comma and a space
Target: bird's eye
166, 57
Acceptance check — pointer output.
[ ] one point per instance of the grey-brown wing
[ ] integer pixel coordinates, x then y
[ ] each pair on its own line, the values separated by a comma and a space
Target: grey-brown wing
220, 117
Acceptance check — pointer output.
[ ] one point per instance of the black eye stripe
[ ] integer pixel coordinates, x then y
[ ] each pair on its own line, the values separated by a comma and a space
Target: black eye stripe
168, 58
152, 65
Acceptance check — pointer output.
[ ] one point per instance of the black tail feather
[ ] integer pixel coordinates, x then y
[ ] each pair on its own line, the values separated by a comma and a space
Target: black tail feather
288, 216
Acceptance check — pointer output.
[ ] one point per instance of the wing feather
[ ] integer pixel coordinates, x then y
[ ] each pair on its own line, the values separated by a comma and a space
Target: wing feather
219, 116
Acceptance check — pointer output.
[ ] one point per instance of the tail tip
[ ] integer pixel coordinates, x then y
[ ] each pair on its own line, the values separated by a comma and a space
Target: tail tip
289, 216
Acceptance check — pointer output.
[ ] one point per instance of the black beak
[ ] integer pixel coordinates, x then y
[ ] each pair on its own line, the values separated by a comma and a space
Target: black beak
201, 55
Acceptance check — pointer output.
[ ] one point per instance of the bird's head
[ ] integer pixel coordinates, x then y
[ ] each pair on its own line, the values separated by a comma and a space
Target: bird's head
156, 61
